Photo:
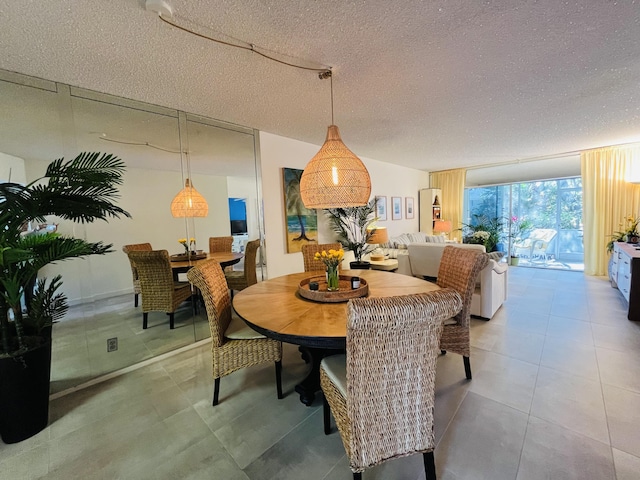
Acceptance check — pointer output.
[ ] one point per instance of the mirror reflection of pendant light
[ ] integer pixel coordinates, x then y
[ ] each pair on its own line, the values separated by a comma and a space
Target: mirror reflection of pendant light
189, 203
335, 177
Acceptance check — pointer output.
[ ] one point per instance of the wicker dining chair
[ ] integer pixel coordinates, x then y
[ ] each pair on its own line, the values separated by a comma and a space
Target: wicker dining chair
310, 249
233, 344
459, 269
382, 392
237, 280
144, 247
160, 292
220, 244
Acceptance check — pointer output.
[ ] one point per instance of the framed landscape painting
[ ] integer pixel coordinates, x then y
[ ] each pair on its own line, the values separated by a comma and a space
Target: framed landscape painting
381, 208
396, 208
409, 213
301, 223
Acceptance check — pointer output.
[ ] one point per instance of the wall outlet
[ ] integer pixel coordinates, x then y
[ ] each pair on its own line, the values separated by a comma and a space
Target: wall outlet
112, 344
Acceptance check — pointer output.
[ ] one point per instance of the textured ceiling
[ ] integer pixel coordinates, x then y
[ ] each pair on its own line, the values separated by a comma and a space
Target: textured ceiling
426, 84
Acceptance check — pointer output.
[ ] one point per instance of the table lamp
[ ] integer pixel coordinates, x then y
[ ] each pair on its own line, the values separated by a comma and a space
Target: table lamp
443, 227
379, 235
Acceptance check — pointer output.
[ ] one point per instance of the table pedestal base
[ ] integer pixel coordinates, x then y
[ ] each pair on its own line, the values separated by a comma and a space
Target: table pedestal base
308, 387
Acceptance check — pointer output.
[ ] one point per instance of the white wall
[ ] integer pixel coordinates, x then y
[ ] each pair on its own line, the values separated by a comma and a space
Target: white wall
279, 152
13, 167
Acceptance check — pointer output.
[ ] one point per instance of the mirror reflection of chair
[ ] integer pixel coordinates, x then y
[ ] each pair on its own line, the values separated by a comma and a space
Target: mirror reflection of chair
144, 247
310, 249
233, 344
382, 392
160, 293
220, 244
459, 269
237, 280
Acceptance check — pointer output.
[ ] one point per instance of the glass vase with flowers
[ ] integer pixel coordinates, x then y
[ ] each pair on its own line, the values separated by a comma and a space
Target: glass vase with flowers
332, 260
189, 246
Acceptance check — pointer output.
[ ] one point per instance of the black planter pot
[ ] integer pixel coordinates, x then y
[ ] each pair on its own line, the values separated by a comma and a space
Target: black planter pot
359, 265
24, 393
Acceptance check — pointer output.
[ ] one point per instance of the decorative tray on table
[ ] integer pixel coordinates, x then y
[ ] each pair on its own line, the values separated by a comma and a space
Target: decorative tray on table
183, 257
323, 295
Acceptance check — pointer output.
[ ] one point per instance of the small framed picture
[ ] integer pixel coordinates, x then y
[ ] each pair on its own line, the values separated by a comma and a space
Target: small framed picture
396, 208
408, 202
381, 208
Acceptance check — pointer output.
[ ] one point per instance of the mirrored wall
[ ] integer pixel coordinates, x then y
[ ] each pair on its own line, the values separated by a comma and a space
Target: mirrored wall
161, 148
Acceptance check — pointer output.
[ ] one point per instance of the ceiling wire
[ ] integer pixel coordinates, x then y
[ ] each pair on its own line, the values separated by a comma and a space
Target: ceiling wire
138, 144
249, 46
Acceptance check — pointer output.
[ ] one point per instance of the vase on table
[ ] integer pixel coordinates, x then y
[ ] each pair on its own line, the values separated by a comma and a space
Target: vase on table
333, 279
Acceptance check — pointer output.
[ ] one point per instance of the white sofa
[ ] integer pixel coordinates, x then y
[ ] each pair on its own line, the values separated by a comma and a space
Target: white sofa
423, 260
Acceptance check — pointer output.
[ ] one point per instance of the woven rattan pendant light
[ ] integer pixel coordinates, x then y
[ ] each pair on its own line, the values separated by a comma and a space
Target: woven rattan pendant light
335, 177
189, 203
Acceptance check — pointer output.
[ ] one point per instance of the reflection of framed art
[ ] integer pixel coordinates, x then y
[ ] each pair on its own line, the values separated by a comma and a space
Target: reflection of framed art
408, 201
381, 208
396, 208
301, 223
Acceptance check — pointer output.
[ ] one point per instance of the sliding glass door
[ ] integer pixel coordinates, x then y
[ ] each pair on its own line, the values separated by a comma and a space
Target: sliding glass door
542, 220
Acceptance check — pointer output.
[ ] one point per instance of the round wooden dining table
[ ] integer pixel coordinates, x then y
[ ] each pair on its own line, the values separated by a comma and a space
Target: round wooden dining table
225, 259
275, 308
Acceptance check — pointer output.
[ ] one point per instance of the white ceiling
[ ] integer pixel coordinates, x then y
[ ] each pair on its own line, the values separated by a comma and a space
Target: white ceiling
427, 84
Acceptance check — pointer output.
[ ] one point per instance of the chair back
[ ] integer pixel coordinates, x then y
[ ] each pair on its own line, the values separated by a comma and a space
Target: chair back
459, 269
392, 349
250, 254
135, 247
220, 244
156, 279
310, 249
210, 280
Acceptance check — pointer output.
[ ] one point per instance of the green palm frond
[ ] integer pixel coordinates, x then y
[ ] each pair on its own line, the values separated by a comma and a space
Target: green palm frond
350, 226
82, 189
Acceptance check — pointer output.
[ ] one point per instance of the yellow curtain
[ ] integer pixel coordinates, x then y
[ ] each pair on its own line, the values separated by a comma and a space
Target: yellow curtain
607, 200
452, 183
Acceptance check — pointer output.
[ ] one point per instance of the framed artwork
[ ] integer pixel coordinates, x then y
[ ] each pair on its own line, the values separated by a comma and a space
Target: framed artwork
408, 202
381, 208
301, 223
396, 208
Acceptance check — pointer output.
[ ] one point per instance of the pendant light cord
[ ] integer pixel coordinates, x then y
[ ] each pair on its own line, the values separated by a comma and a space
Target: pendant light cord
249, 46
323, 76
331, 80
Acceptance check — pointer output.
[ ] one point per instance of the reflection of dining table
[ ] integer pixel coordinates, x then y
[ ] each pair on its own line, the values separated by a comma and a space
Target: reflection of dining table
225, 259
275, 308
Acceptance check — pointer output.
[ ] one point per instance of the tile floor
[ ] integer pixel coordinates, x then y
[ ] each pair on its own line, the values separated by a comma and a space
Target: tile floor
555, 395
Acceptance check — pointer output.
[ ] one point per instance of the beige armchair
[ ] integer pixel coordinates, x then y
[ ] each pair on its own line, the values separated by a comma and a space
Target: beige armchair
423, 260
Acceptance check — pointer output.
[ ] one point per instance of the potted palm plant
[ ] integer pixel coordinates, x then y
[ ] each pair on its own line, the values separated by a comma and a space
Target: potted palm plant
484, 231
81, 190
352, 226
518, 229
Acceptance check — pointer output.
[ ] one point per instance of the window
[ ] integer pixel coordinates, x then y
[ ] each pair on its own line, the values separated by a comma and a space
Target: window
554, 209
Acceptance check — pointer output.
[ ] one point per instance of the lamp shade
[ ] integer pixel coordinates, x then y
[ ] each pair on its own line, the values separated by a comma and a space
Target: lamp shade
335, 177
189, 203
442, 226
379, 235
